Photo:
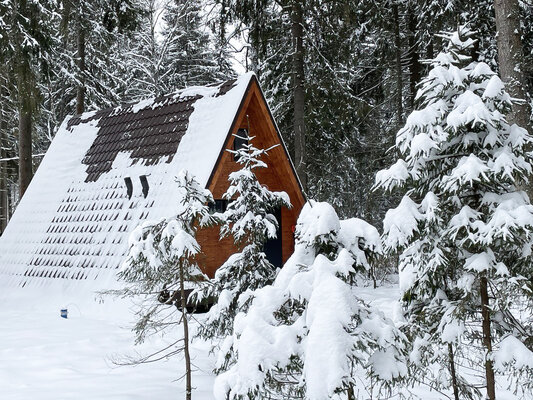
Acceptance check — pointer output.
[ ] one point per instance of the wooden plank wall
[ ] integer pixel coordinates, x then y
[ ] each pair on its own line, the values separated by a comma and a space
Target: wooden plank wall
278, 176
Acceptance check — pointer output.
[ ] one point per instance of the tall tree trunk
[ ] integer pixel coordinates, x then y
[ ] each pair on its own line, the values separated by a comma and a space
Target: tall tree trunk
64, 30
154, 64
510, 55
298, 90
25, 109
3, 167
25, 92
188, 384
65, 22
80, 89
415, 68
453, 372
398, 65
430, 49
25, 147
487, 338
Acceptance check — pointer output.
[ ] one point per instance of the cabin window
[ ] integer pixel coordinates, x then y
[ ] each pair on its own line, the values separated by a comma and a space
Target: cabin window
129, 187
144, 183
219, 206
240, 141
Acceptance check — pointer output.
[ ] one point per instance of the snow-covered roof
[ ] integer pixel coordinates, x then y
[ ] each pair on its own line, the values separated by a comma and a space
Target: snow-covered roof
74, 219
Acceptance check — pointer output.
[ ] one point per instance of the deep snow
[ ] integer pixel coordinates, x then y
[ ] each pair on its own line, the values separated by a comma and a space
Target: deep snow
46, 357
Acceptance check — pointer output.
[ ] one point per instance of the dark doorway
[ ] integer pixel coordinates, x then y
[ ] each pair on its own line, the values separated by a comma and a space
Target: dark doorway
273, 246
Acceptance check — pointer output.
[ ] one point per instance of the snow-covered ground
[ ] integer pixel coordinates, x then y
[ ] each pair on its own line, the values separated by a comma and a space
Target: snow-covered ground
46, 357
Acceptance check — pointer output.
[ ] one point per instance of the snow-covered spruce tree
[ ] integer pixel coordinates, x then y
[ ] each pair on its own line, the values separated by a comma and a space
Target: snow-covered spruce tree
190, 58
88, 62
464, 228
249, 219
145, 57
161, 260
170, 50
308, 335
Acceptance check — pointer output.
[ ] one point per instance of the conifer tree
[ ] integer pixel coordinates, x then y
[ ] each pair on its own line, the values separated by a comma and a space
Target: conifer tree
145, 57
8, 132
88, 71
162, 260
464, 228
25, 32
308, 335
250, 220
190, 57
171, 50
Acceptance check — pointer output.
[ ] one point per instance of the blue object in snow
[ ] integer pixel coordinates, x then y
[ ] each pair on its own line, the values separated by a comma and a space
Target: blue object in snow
64, 313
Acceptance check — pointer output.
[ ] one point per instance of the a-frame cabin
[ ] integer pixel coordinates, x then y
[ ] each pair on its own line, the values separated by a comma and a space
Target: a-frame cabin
108, 171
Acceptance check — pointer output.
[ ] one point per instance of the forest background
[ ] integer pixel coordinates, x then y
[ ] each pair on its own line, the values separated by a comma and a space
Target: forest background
340, 75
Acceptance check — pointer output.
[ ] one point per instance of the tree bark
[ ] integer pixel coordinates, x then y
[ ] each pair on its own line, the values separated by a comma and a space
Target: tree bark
398, 65
25, 150
415, 68
487, 338
188, 384
351, 393
3, 168
453, 372
430, 50
80, 89
510, 55
65, 22
25, 92
298, 91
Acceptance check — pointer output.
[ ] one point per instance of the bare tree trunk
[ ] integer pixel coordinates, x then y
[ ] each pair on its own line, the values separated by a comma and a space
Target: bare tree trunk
154, 65
80, 89
64, 29
65, 21
3, 168
510, 55
25, 109
25, 150
398, 65
298, 91
430, 49
25, 92
452, 372
351, 393
415, 68
487, 338
188, 385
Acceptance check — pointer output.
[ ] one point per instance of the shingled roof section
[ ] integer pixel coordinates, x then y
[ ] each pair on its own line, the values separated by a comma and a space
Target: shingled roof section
74, 221
150, 133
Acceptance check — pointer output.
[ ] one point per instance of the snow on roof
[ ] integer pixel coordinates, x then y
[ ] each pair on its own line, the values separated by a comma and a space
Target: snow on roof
75, 218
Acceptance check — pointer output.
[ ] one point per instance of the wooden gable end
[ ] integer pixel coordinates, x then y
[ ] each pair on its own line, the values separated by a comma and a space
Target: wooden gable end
280, 175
